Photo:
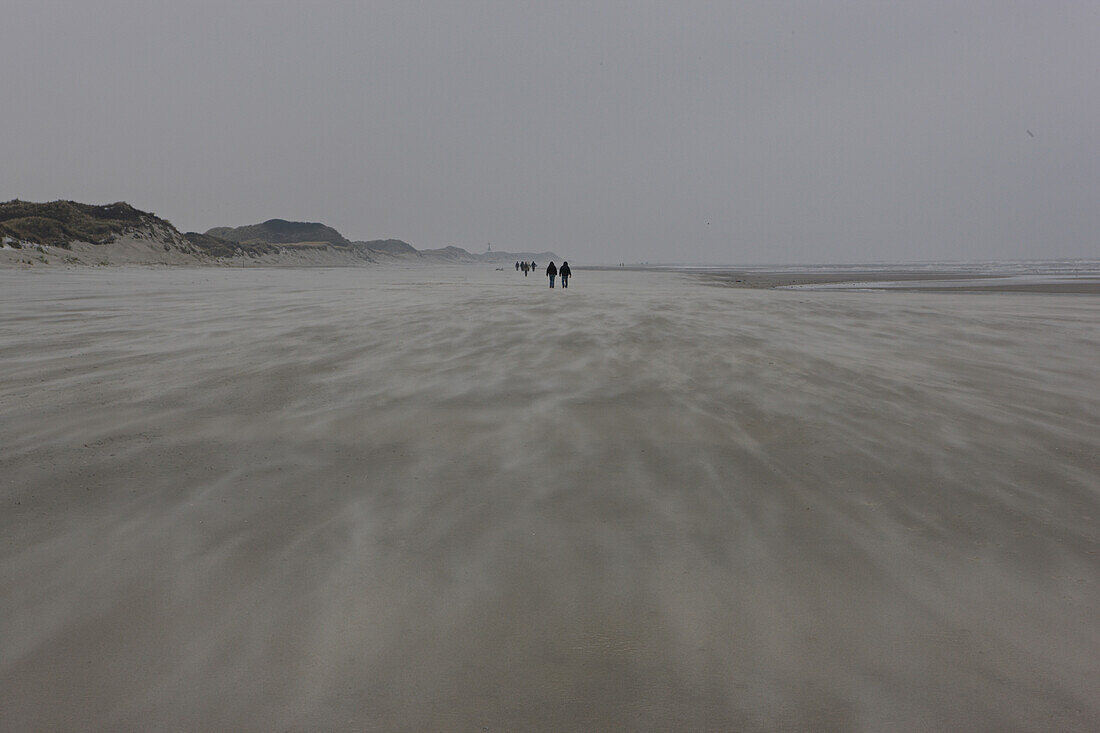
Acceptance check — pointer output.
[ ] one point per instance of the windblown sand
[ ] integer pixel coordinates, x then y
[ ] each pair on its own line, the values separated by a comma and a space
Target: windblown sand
454, 499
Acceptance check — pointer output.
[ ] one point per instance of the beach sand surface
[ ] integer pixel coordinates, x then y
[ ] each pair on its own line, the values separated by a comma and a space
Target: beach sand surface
454, 499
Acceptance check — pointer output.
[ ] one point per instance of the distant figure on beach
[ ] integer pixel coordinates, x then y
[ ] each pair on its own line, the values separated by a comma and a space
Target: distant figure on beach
565, 272
533, 266
523, 266
517, 265
551, 271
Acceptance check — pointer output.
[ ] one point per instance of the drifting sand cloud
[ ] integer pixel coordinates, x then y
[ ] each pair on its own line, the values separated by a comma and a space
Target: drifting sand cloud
456, 499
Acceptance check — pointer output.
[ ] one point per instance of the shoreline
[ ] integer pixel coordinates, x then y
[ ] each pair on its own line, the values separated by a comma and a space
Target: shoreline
1073, 276
903, 280
849, 279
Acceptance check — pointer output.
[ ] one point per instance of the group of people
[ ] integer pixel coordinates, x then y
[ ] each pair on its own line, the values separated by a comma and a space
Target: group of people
551, 271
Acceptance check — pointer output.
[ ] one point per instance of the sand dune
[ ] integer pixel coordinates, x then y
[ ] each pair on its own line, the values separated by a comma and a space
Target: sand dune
453, 499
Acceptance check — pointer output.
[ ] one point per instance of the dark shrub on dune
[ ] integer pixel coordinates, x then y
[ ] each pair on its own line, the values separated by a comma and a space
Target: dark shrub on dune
218, 247
59, 223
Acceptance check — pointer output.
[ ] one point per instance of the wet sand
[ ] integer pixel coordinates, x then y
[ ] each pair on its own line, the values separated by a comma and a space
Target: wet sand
453, 499
952, 281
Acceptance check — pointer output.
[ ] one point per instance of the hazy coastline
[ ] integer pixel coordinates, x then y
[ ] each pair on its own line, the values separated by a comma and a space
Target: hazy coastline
289, 444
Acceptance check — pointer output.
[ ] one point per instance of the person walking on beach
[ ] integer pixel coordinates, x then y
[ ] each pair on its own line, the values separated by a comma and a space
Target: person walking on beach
565, 272
551, 271
525, 268
517, 265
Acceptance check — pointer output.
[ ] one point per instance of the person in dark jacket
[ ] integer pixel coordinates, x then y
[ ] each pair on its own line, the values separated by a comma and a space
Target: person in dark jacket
565, 272
551, 272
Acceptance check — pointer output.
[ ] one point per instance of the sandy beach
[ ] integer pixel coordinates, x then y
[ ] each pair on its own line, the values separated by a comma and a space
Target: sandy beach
410, 499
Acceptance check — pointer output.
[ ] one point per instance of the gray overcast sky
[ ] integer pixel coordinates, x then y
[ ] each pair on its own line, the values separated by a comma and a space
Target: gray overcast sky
637, 131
